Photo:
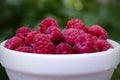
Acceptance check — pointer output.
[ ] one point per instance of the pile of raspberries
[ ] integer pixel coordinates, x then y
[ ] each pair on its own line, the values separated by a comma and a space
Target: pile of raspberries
75, 38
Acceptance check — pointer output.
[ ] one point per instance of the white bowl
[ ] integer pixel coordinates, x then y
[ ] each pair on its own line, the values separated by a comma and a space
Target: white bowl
92, 66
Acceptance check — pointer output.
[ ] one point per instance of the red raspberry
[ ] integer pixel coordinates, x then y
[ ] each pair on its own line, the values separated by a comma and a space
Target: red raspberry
30, 36
98, 31
42, 44
72, 22
47, 22
22, 32
54, 34
14, 43
103, 45
70, 35
25, 49
64, 48
76, 23
84, 43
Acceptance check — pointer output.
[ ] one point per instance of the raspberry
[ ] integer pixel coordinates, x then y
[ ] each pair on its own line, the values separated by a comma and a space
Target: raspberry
14, 43
98, 31
47, 22
42, 44
76, 23
25, 49
54, 34
84, 43
23, 31
70, 35
30, 36
64, 48
72, 22
103, 45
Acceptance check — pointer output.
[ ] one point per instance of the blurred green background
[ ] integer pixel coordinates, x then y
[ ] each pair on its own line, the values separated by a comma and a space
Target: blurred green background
17, 13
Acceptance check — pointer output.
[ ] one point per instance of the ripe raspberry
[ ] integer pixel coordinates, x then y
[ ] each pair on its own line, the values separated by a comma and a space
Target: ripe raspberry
70, 35
76, 23
103, 45
84, 43
98, 31
47, 22
64, 48
29, 37
54, 34
72, 22
42, 44
14, 43
25, 49
23, 30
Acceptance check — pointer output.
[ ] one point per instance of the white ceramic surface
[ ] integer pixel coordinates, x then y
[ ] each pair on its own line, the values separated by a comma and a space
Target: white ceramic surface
92, 66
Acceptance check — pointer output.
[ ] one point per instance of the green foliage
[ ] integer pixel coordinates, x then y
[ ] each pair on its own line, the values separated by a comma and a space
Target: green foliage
17, 13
